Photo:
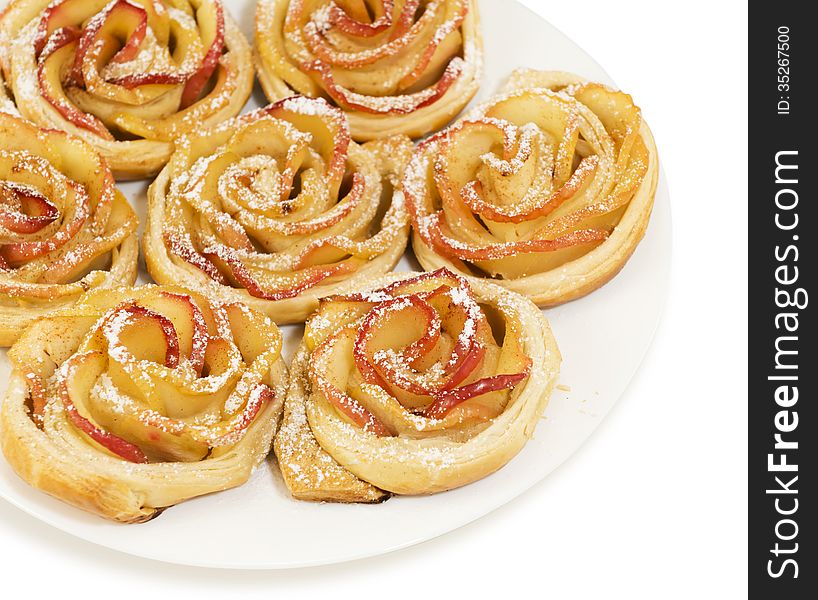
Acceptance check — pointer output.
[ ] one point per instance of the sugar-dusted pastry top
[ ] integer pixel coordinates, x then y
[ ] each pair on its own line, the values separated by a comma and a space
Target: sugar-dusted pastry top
394, 66
413, 385
135, 399
64, 227
128, 76
6, 104
546, 188
277, 207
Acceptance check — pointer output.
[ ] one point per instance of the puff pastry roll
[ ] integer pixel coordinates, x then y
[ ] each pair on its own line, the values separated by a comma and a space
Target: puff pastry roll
417, 384
546, 189
394, 66
276, 208
64, 227
138, 398
128, 76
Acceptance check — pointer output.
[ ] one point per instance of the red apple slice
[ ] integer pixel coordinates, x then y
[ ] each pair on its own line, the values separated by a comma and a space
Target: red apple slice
323, 370
231, 431
57, 15
139, 79
222, 434
431, 280
183, 247
210, 17
465, 366
326, 123
472, 192
412, 285
339, 18
426, 343
23, 209
190, 323
391, 105
121, 21
419, 328
77, 377
123, 449
449, 399
436, 233
461, 317
260, 396
422, 316
327, 51
134, 37
56, 53
265, 339
436, 42
301, 280
327, 219
140, 341
19, 252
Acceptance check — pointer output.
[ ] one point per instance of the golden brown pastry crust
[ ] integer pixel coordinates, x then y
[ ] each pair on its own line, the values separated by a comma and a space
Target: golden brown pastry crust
277, 208
407, 72
97, 415
6, 105
490, 371
130, 106
309, 471
546, 188
64, 227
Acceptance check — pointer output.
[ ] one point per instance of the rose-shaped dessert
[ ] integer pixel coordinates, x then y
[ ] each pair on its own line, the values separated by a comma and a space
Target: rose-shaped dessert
128, 76
135, 399
418, 384
276, 208
547, 188
394, 66
64, 227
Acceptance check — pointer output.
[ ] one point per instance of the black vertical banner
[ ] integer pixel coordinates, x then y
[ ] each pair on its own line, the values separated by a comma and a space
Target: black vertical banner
783, 268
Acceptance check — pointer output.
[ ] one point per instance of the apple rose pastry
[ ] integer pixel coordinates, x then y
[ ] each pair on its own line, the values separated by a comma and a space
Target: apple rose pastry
64, 227
136, 399
547, 188
394, 66
418, 384
128, 76
275, 208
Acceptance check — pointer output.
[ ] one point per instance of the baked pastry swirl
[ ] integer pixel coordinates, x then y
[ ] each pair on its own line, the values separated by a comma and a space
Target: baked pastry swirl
414, 385
547, 188
128, 76
64, 227
135, 399
394, 66
275, 208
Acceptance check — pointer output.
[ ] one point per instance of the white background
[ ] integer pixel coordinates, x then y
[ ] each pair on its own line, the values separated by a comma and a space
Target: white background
654, 505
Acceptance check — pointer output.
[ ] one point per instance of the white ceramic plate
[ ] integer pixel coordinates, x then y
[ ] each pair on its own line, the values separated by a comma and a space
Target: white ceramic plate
603, 338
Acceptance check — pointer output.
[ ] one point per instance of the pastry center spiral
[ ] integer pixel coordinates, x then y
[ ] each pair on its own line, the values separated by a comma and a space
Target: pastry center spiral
164, 377
417, 356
